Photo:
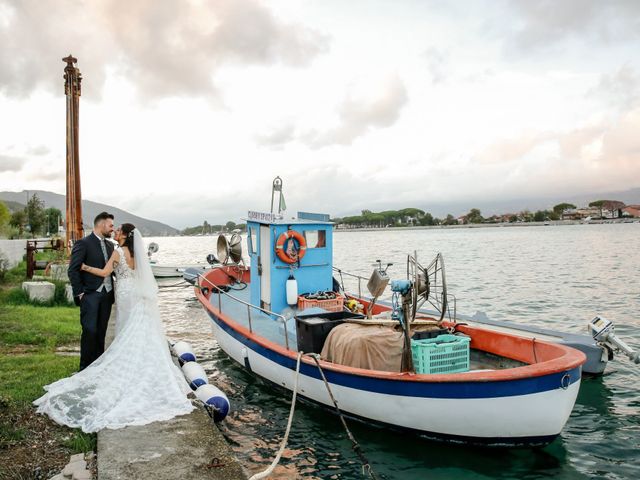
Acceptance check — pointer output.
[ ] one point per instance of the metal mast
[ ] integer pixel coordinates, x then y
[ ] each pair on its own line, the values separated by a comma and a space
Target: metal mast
277, 187
72, 79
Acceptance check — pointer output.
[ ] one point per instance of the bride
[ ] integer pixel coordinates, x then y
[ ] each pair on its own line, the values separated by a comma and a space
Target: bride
134, 382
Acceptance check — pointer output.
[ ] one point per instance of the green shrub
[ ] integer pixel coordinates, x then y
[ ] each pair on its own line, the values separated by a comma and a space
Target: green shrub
15, 296
15, 275
4, 266
60, 295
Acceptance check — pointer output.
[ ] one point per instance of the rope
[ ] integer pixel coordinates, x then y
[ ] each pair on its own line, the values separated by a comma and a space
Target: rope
180, 284
366, 466
283, 445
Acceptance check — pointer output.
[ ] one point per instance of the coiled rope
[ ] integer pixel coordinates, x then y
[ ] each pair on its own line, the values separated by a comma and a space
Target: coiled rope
366, 466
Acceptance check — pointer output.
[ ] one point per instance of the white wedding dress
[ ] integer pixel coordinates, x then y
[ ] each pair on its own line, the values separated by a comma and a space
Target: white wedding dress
134, 382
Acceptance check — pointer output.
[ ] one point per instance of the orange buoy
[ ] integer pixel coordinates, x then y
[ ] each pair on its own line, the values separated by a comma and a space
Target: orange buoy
285, 256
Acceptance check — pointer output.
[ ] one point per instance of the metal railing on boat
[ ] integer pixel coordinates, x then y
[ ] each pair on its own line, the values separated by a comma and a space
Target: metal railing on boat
249, 306
360, 279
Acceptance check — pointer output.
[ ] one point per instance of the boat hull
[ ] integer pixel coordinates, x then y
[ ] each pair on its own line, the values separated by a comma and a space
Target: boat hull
174, 271
485, 413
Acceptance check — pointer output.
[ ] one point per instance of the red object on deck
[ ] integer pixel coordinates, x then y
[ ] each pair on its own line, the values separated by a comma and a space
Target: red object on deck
332, 305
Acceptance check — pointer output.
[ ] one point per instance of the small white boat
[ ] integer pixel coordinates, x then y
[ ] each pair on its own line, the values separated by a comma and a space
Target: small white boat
173, 271
168, 271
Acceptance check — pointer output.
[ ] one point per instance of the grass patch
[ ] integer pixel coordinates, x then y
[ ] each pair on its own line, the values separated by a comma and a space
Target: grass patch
33, 325
29, 335
31, 445
10, 434
81, 442
23, 376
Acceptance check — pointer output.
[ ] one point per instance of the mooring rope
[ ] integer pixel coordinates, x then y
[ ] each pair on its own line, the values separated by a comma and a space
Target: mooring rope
366, 466
180, 284
283, 444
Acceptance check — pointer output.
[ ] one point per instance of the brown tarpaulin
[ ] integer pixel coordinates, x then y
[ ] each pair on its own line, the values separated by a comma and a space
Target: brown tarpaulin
373, 347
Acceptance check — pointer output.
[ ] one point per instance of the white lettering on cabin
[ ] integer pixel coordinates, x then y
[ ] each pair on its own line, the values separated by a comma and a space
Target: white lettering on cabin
262, 216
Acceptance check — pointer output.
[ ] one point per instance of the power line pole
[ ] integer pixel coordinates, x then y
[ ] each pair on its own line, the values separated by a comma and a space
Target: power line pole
72, 80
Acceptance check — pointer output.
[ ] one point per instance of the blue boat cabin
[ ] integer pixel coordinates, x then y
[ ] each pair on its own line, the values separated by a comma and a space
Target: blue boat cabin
275, 251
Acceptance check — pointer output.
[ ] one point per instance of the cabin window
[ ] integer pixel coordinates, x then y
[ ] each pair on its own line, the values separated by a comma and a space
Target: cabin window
252, 240
316, 238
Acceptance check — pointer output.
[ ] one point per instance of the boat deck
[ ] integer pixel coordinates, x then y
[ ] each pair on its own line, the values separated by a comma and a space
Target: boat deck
272, 329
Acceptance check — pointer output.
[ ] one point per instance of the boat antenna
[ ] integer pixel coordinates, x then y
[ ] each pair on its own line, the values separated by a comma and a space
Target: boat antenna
277, 187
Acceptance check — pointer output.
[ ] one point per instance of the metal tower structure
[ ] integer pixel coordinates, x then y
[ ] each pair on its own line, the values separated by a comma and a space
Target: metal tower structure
72, 90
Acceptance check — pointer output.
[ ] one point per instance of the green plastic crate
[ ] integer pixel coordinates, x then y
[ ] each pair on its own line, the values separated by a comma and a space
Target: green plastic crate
442, 354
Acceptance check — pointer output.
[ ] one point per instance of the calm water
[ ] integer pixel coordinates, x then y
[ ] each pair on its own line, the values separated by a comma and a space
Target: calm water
554, 276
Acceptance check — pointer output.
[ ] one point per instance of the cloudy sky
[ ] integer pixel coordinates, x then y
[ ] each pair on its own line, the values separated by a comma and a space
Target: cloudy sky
190, 108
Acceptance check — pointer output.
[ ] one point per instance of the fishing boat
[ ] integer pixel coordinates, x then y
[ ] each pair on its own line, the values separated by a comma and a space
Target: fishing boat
387, 364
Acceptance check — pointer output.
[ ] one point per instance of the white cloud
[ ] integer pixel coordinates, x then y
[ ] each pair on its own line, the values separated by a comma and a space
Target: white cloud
542, 24
437, 63
364, 108
620, 89
277, 137
10, 163
167, 48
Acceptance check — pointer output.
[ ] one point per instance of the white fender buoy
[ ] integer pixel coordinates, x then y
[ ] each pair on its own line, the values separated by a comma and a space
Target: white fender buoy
184, 352
292, 290
195, 374
216, 399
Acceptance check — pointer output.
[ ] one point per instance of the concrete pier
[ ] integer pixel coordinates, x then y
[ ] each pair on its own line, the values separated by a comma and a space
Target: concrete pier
188, 446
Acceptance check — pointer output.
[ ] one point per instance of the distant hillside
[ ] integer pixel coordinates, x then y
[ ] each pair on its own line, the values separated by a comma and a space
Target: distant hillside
89, 211
14, 206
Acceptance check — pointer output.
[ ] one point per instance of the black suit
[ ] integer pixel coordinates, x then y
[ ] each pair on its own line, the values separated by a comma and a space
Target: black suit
95, 306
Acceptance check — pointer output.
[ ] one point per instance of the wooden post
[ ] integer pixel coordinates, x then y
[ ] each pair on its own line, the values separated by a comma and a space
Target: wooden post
72, 90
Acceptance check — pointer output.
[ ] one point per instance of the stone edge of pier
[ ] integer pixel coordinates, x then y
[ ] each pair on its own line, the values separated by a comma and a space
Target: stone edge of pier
187, 446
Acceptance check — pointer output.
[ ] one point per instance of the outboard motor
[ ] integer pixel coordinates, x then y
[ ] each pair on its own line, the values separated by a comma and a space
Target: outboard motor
152, 248
602, 331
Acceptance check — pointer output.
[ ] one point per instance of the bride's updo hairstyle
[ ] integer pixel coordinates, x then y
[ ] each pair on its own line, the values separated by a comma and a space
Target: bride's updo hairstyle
127, 232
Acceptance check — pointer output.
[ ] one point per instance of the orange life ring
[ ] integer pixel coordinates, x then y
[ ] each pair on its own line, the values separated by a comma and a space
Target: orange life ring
282, 253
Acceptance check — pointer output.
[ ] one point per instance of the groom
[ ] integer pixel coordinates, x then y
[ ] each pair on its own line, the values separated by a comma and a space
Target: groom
92, 293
